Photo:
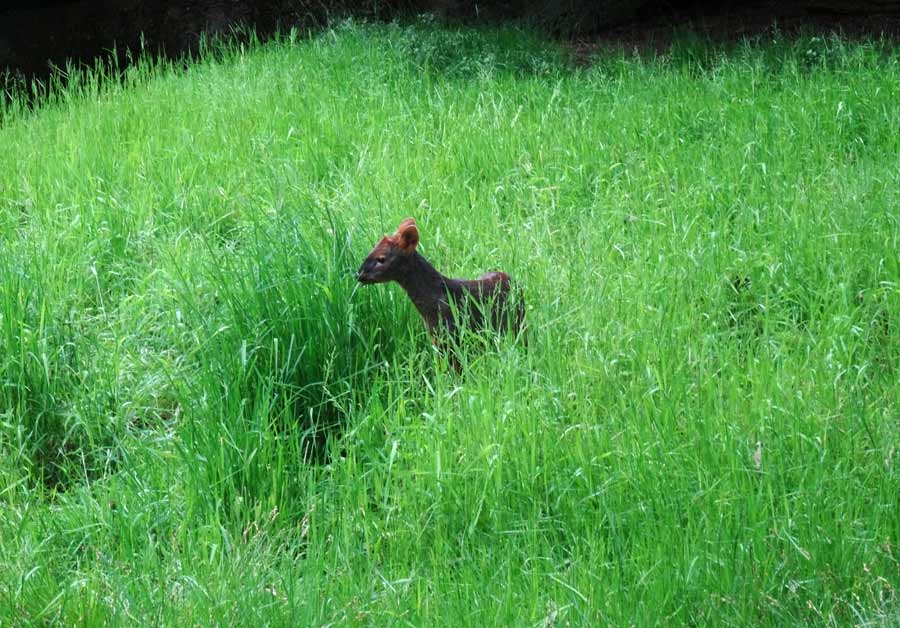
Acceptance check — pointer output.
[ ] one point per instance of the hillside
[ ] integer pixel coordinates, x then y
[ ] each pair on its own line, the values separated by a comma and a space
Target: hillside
205, 421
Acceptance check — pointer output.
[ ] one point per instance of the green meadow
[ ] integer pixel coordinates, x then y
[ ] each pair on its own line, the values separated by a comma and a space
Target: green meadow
205, 421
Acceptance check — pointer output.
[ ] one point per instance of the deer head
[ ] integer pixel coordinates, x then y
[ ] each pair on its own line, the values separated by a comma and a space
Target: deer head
391, 255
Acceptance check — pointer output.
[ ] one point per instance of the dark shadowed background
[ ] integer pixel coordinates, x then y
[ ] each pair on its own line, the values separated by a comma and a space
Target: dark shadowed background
37, 34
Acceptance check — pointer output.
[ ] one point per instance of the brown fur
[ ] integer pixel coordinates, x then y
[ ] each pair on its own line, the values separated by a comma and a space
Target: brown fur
443, 302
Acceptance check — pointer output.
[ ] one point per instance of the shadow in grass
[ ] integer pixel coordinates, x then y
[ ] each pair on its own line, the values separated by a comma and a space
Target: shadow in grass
759, 304
468, 52
57, 387
280, 353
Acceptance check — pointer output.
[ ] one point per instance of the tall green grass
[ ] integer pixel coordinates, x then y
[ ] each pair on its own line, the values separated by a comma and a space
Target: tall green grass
204, 421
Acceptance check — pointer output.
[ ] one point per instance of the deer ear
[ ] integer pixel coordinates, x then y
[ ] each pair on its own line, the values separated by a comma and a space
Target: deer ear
408, 235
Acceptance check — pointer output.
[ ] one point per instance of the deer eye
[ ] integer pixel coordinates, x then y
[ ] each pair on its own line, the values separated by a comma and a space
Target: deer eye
380, 260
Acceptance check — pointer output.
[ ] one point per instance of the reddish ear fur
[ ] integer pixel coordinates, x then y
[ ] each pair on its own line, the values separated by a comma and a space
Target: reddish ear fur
407, 236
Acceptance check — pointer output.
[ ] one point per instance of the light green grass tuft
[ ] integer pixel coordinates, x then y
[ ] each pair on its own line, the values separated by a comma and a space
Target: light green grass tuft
204, 421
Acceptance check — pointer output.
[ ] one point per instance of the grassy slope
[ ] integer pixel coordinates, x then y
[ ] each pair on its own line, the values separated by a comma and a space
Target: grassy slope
709, 248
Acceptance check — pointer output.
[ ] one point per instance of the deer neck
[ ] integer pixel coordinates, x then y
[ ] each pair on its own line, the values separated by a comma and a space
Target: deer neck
426, 287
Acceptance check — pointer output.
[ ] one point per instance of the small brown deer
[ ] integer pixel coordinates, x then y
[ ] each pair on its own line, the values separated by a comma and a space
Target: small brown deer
444, 303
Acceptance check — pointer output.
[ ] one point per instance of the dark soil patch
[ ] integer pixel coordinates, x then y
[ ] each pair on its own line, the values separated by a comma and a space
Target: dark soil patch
38, 35
655, 28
